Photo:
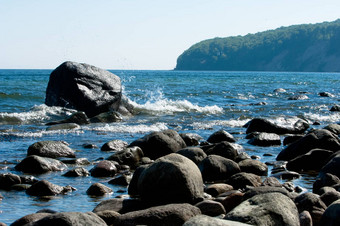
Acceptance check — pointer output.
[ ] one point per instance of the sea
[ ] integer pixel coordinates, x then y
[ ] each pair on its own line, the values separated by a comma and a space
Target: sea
200, 102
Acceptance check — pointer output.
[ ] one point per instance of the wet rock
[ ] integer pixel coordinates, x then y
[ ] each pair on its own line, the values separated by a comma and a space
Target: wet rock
312, 160
334, 128
171, 214
83, 87
122, 180
46, 188
107, 117
216, 168
299, 97
291, 139
90, 146
286, 175
7, 180
158, 144
265, 140
51, 149
323, 180
119, 205
37, 164
191, 139
266, 209
114, 145
252, 191
224, 149
326, 94
78, 118
70, 219
263, 125
253, 166
217, 189
109, 216
332, 215
204, 220
104, 168
242, 180
77, 172
98, 189
133, 186
305, 218
272, 182
78, 161
195, 154
322, 139
130, 156
220, 136
211, 208
330, 197
30, 218
335, 108
65, 126
232, 200
312, 203
333, 166
171, 179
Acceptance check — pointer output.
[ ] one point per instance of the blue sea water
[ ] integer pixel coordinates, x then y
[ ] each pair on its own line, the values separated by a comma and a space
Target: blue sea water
186, 101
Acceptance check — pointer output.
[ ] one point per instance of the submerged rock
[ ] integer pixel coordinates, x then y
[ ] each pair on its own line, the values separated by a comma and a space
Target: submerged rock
84, 87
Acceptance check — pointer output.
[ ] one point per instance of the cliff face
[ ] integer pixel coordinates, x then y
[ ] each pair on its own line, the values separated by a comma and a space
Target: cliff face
307, 47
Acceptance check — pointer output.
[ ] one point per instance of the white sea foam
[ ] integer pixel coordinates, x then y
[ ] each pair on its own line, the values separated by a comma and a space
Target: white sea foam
121, 128
227, 123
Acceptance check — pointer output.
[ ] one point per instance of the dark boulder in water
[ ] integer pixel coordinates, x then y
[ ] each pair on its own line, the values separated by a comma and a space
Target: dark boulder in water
85, 88
265, 140
195, 154
335, 108
333, 166
37, 164
7, 180
131, 156
104, 168
98, 189
46, 188
263, 125
322, 139
220, 136
51, 149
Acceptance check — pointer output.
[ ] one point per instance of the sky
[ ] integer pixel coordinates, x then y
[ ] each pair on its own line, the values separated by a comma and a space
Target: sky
136, 34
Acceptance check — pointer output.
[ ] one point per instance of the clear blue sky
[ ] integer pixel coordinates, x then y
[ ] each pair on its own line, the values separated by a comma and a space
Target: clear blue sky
136, 34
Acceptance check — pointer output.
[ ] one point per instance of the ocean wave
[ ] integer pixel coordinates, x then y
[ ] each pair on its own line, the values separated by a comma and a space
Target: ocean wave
165, 106
37, 114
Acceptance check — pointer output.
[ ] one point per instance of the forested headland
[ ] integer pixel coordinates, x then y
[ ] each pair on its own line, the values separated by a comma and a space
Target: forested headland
306, 47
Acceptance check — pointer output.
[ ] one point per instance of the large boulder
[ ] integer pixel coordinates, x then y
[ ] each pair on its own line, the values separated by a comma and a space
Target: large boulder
242, 180
323, 139
51, 149
312, 203
158, 144
333, 166
266, 209
171, 179
331, 216
98, 189
204, 220
119, 205
220, 136
70, 219
84, 87
7, 180
263, 125
30, 218
37, 164
224, 149
195, 154
171, 214
253, 166
217, 168
313, 160
104, 168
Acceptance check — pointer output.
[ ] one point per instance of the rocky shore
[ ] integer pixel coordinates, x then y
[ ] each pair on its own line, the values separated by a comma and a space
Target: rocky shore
180, 179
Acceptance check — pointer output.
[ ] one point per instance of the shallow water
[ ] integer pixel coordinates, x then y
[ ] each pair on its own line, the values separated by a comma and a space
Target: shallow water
199, 102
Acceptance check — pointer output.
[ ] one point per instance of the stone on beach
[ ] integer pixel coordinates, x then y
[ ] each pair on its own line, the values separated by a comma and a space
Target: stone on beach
130, 156
98, 189
195, 154
266, 209
220, 136
30, 218
171, 214
253, 166
7, 180
265, 140
171, 179
84, 87
158, 144
114, 145
46, 188
312, 160
104, 168
224, 149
